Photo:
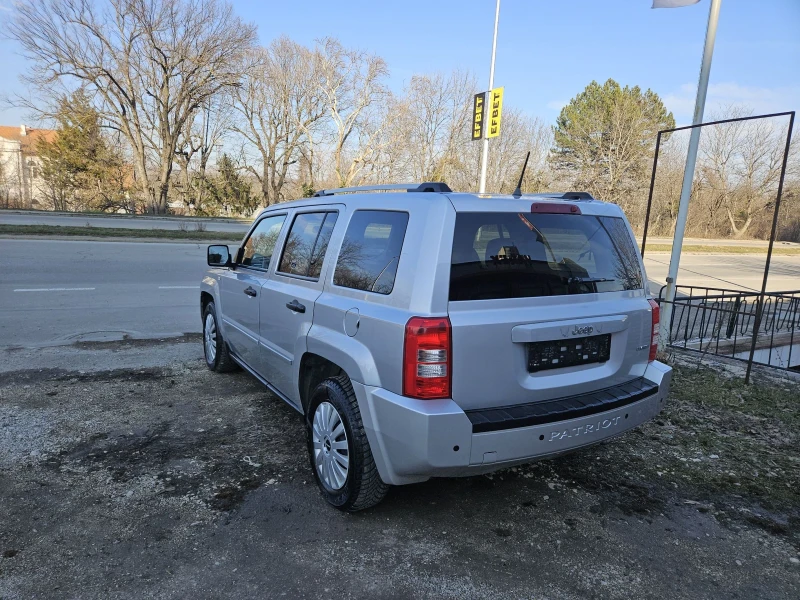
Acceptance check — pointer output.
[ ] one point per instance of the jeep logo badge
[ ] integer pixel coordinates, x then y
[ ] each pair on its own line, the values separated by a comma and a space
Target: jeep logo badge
583, 330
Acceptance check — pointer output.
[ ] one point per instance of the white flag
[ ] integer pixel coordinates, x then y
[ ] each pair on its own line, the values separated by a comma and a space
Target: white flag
673, 3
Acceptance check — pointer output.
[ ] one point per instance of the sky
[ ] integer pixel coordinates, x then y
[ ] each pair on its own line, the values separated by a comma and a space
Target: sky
547, 50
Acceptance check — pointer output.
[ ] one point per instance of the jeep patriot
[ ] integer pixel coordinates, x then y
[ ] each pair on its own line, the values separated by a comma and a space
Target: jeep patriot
428, 333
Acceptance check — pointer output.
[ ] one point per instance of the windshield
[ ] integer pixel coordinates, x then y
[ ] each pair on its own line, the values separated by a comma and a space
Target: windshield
525, 255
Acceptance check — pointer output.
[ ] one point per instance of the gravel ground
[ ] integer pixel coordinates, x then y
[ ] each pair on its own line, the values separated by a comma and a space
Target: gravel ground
174, 482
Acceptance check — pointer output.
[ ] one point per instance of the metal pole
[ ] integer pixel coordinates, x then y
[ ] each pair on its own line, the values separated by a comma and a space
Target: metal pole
760, 307
650, 195
485, 154
691, 160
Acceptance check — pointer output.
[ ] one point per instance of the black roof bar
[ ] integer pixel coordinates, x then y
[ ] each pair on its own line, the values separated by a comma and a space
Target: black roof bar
431, 186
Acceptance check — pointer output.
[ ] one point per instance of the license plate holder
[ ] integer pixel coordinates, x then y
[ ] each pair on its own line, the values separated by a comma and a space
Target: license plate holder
558, 354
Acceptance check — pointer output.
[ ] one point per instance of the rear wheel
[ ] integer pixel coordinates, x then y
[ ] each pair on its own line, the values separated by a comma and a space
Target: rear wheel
214, 347
338, 448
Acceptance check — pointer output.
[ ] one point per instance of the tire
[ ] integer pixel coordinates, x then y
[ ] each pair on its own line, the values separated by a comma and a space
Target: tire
361, 487
217, 356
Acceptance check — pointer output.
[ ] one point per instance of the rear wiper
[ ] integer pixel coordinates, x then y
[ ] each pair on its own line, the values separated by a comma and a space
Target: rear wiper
588, 279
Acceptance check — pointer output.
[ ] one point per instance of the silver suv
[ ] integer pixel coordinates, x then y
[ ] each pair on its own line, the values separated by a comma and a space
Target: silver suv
426, 333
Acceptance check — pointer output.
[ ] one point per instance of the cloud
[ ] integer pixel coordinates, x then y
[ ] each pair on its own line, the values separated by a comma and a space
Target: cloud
760, 100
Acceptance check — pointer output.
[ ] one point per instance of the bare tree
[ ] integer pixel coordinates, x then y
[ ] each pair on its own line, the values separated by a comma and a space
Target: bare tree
437, 143
520, 133
352, 83
280, 105
201, 136
439, 111
740, 166
152, 63
667, 189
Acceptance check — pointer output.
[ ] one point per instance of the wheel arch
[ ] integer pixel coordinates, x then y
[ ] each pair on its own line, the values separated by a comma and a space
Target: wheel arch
313, 370
345, 353
205, 299
209, 292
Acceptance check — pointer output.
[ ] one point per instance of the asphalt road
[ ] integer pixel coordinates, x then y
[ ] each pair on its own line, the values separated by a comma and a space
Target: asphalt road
56, 292
729, 271
120, 221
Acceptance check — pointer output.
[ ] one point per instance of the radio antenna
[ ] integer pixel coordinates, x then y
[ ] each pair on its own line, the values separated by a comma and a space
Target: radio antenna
518, 191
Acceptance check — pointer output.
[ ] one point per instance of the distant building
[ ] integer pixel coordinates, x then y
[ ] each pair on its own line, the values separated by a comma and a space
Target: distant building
20, 167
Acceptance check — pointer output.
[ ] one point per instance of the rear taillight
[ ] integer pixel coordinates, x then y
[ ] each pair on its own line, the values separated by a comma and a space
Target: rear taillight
654, 332
427, 358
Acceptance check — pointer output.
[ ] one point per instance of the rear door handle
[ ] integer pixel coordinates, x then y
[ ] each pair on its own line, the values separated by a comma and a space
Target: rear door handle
296, 306
250, 291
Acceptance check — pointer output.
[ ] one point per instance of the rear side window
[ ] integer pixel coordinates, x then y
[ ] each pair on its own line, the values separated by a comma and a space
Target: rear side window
527, 255
306, 244
371, 251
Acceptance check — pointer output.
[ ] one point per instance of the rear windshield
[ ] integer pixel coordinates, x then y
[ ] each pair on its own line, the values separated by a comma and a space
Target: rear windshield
527, 255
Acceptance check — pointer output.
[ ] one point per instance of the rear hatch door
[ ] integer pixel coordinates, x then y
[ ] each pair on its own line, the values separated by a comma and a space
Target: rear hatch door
544, 303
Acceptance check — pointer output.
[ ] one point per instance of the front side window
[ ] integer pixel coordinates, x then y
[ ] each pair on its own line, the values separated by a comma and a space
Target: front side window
525, 255
306, 244
371, 251
259, 247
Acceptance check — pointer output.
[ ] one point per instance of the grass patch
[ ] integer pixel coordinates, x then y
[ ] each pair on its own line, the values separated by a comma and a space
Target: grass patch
729, 439
717, 447
696, 249
115, 232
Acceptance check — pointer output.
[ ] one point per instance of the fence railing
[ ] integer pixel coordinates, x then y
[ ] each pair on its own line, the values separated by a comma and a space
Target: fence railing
721, 322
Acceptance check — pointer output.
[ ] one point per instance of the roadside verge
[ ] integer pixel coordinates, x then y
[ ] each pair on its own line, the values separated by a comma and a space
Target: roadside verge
117, 233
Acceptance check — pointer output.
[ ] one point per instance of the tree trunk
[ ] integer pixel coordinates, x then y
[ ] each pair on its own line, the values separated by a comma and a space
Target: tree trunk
265, 184
738, 232
164, 178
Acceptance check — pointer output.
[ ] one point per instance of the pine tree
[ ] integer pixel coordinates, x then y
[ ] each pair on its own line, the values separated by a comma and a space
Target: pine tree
80, 168
605, 137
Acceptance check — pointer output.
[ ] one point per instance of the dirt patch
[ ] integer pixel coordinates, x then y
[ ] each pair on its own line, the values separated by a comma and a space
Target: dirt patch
178, 482
128, 342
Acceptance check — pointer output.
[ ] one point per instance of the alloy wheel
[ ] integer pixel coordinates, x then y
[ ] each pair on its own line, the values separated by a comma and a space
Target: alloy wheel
210, 338
331, 453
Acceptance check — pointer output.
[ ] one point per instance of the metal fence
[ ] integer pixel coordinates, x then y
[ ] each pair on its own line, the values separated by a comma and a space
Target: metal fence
721, 322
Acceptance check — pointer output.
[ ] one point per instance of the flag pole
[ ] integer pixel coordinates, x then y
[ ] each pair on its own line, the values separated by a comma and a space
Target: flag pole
688, 173
485, 154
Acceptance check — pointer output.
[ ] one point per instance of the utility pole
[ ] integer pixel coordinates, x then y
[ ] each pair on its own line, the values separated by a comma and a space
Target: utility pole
688, 173
485, 154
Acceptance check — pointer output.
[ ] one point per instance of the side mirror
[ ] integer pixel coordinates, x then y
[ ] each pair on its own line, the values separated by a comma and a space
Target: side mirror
219, 256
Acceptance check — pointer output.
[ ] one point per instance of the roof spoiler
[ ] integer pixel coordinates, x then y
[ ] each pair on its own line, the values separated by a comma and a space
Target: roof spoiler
577, 196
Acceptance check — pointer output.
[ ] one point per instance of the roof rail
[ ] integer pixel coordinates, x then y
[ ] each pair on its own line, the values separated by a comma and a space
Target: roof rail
431, 186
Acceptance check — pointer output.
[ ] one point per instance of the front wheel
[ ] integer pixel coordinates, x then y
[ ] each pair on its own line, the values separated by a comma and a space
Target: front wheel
338, 449
214, 347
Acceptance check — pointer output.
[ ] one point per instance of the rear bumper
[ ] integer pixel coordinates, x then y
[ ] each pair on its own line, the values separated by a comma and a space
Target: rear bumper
413, 440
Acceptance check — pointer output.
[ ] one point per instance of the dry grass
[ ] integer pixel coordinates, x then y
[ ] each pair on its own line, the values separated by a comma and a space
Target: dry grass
199, 233
696, 249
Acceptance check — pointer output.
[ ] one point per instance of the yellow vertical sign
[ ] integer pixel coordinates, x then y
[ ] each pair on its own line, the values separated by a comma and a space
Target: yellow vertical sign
495, 112
478, 113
